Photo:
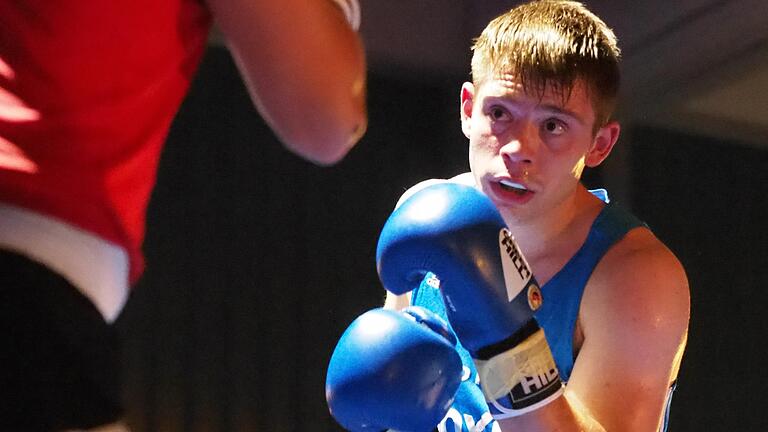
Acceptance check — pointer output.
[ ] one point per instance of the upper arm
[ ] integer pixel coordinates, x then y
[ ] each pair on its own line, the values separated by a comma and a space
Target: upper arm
634, 317
305, 70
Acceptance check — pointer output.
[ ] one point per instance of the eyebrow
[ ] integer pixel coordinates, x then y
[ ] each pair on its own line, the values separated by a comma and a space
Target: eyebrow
560, 110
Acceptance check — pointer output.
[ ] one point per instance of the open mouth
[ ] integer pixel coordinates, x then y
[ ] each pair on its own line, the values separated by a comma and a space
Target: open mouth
510, 186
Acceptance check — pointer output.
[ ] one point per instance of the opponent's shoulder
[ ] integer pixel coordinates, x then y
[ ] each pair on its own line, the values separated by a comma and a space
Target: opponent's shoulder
639, 285
464, 178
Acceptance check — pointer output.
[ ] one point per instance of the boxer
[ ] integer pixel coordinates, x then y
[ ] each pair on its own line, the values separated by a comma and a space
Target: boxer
591, 334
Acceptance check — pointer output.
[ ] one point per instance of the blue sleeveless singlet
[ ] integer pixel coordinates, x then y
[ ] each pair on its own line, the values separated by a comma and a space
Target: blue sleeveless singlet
557, 316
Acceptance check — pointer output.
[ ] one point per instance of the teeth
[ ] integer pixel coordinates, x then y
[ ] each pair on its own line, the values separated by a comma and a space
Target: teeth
511, 184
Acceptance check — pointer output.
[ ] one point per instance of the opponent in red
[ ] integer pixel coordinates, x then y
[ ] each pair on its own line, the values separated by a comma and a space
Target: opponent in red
88, 90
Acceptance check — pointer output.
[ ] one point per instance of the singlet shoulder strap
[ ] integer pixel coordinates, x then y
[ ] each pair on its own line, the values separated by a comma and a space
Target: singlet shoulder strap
563, 293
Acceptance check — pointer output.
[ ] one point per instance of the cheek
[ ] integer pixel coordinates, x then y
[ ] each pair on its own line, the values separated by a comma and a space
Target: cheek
569, 160
475, 160
483, 142
563, 173
482, 151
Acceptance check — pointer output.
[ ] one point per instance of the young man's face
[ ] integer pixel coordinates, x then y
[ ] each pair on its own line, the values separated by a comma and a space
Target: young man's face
528, 154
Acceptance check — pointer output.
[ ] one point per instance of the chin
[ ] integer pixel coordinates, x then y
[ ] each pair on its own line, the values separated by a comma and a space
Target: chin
514, 215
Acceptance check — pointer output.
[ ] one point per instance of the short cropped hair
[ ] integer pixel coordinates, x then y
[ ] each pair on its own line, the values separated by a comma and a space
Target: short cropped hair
552, 43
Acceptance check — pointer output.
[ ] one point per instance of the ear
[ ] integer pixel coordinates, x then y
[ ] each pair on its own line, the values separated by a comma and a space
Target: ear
602, 144
467, 98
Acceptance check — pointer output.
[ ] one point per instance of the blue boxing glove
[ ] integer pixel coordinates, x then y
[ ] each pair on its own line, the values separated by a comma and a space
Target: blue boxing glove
393, 370
455, 232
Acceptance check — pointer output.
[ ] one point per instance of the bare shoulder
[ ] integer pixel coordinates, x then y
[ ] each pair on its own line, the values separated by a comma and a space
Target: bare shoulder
637, 306
634, 321
639, 277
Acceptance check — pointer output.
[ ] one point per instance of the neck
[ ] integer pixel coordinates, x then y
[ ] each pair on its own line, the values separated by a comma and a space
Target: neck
563, 224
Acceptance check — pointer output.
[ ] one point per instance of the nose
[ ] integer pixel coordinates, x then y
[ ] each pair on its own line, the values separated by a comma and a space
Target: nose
521, 146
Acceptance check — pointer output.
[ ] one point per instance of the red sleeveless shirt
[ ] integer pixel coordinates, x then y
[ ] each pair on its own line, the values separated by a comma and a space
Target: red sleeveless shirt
88, 90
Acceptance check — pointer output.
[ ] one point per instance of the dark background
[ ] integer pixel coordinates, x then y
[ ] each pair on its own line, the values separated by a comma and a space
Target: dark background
258, 260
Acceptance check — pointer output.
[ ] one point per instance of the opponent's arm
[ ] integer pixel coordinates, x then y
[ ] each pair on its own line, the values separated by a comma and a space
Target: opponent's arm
304, 67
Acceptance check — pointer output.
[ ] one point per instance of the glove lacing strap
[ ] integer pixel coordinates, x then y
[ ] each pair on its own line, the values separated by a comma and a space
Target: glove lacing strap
528, 366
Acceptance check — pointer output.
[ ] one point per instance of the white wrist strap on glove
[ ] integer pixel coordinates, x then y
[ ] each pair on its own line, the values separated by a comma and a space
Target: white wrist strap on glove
351, 9
529, 367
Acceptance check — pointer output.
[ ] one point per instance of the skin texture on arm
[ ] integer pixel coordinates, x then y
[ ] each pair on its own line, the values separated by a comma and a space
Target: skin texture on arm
634, 320
305, 70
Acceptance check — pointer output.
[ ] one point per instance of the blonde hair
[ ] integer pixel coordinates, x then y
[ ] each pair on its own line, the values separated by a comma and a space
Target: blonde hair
552, 44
